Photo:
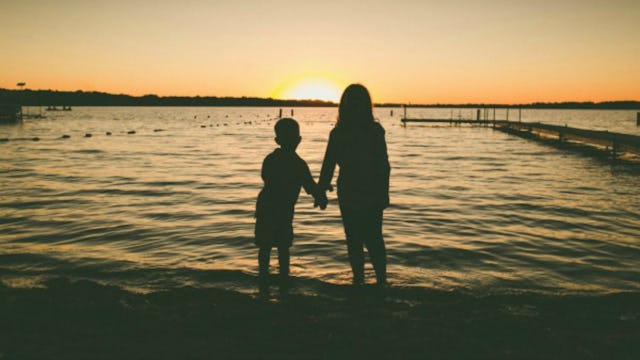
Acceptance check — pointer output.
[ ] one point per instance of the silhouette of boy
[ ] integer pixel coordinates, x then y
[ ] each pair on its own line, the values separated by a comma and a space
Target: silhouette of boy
283, 173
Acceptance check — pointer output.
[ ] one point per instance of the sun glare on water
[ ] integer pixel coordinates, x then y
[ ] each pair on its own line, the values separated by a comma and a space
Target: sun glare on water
311, 89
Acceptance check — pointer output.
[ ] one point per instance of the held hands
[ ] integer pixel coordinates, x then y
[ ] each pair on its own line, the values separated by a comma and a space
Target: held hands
320, 198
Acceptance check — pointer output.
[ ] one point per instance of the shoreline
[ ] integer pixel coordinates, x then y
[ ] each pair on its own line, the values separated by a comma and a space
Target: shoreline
83, 319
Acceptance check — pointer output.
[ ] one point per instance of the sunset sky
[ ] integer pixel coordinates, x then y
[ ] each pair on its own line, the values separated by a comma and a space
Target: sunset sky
419, 51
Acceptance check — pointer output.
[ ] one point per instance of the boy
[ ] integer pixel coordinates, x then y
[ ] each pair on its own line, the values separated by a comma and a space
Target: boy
283, 173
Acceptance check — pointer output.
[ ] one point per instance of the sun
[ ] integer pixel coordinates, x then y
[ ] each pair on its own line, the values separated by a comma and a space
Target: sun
310, 89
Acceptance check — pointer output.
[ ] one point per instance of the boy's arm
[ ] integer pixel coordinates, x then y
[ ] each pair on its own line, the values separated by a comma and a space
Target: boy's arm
264, 172
308, 183
310, 186
270, 170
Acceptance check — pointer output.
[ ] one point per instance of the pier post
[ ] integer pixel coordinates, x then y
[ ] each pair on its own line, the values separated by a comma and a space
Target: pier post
519, 114
291, 112
478, 115
404, 108
280, 114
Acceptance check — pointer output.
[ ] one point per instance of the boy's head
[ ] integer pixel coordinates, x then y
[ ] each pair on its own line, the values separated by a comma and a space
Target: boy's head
287, 133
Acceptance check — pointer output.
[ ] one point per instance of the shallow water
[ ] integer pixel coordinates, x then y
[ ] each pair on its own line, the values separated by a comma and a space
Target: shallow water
473, 209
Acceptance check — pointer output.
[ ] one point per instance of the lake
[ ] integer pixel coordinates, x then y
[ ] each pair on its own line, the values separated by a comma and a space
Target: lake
473, 209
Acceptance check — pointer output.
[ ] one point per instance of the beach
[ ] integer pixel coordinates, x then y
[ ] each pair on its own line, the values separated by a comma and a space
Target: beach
81, 320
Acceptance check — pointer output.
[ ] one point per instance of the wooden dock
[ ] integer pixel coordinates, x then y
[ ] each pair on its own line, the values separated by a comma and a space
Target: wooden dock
614, 143
10, 114
448, 121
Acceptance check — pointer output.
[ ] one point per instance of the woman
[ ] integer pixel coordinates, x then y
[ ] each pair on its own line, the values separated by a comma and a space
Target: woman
358, 146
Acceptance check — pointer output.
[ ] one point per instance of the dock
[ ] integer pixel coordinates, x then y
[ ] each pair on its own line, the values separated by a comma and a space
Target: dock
10, 114
614, 143
448, 121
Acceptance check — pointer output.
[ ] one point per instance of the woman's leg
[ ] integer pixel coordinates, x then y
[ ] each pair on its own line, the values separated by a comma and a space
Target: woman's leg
375, 245
353, 230
264, 256
356, 258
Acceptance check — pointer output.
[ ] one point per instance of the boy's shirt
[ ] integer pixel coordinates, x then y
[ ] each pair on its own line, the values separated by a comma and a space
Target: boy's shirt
283, 173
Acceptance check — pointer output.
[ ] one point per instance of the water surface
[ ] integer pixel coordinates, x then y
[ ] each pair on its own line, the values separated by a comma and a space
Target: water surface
473, 209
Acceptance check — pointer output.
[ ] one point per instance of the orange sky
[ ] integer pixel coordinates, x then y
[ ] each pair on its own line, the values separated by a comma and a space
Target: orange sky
419, 51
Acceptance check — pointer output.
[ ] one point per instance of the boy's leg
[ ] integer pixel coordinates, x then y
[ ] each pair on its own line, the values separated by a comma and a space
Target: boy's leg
283, 261
264, 256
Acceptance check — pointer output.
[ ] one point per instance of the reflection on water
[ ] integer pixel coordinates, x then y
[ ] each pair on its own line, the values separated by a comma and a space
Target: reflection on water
472, 209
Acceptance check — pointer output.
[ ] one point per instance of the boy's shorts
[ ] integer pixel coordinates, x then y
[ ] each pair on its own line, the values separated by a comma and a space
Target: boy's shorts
269, 233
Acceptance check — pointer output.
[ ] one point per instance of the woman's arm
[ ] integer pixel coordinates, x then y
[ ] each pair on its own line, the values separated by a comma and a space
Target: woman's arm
328, 164
385, 167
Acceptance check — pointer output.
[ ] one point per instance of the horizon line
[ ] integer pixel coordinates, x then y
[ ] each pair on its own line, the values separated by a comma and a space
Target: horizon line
328, 102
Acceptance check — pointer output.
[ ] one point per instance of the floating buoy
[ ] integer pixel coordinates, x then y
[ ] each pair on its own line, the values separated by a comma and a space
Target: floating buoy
36, 139
108, 133
65, 136
88, 135
130, 132
203, 126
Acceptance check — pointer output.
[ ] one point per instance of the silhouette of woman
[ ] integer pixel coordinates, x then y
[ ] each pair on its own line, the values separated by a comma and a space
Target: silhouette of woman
357, 144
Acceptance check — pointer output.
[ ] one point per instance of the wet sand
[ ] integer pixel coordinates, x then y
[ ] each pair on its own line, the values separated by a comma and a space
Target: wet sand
85, 320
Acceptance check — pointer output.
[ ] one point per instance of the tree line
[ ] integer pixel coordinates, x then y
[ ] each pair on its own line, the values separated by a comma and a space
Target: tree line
95, 98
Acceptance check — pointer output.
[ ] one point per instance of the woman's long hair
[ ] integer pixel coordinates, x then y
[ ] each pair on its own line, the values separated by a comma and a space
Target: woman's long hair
356, 108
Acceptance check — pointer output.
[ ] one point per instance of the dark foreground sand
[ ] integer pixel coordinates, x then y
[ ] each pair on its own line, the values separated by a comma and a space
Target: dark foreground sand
84, 320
